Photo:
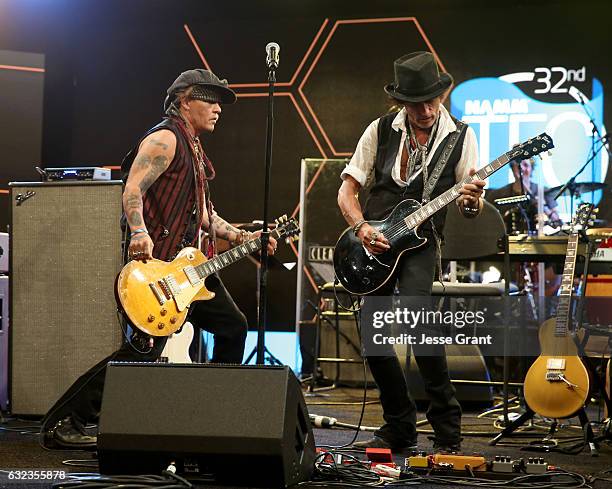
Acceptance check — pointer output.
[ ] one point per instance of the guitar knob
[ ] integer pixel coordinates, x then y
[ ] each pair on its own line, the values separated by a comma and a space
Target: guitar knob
151, 318
173, 319
163, 312
161, 326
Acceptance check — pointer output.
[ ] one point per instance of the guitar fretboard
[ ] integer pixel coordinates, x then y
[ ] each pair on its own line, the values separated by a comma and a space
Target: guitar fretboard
429, 209
231, 256
565, 291
227, 258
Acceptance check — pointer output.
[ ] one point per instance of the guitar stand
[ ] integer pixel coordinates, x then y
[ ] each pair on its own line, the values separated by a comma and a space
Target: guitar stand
548, 443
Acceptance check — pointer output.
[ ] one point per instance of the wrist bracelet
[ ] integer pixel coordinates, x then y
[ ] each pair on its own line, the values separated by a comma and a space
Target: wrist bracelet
138, 231
357, 225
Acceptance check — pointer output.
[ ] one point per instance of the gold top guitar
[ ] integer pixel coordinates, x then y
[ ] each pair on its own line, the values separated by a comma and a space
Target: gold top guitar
156, 295
557, 384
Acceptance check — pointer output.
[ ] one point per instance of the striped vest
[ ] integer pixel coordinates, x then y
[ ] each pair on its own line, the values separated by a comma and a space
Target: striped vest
170, 202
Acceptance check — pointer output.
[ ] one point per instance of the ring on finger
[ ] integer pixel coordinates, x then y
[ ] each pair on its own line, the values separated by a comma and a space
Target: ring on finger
372, 242
375, 235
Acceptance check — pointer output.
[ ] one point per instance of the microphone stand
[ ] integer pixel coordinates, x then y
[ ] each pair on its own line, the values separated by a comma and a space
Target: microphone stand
265, 233
571, 183
594, 132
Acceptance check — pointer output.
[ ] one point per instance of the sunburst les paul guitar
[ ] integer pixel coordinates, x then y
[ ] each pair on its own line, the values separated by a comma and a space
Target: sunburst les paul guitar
557, 384
156, 295
361, 272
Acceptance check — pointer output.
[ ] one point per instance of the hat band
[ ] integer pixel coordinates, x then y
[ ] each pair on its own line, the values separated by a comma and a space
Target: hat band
420, 91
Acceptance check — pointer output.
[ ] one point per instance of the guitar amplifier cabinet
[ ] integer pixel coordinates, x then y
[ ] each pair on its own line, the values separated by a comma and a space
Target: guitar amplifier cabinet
65, 255
349, 348
4, 333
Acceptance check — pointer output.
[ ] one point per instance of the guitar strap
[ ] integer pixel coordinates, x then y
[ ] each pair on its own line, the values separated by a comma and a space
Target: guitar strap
433, 180
441, 163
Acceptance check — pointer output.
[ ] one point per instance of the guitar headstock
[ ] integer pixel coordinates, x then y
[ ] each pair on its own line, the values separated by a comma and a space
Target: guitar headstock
531, 147
583, 218
287, 228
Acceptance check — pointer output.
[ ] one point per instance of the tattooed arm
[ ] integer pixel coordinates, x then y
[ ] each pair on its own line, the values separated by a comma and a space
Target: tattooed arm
154, 156
235, 236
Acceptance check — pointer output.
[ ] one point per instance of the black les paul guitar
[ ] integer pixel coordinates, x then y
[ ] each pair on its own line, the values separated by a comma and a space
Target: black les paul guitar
360, 272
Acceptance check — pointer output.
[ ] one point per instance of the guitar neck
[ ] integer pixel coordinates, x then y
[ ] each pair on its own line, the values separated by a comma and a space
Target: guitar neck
565, 294
231, 256
429, 209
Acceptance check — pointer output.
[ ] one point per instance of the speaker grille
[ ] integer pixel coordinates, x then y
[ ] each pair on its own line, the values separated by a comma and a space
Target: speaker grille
65, 255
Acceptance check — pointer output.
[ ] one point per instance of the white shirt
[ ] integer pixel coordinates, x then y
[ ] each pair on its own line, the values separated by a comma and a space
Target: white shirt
361, 165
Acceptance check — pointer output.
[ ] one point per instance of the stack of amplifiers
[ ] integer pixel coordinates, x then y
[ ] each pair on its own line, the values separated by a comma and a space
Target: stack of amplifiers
65, 256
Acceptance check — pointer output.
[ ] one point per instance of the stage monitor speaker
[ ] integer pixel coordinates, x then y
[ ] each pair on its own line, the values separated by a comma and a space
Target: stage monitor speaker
65, 256
232, 424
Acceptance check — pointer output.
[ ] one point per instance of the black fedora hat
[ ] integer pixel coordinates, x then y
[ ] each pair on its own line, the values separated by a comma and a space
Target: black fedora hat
417, 78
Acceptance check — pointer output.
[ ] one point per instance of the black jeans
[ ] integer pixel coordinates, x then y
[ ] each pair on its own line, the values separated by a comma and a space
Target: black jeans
219, 316
414, 276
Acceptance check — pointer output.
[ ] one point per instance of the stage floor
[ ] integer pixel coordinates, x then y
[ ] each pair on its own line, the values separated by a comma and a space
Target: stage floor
19, 447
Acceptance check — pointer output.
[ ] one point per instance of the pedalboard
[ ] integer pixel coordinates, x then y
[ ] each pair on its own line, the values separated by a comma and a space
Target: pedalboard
500, 467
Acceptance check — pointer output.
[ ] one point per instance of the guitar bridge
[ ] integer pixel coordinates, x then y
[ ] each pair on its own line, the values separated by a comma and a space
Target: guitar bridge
555, 368
157, 293
169, 287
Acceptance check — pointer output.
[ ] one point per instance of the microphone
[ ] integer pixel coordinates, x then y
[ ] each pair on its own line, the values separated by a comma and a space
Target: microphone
272, 50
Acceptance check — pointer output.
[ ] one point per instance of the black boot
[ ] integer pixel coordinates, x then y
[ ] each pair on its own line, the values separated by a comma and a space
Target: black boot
69, 433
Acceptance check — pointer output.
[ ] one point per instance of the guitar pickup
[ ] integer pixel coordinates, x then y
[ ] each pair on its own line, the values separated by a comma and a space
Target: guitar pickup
555, 364
192, 275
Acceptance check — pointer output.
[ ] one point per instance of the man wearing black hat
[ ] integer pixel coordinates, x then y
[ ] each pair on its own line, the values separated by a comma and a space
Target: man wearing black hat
166, 205
410, 155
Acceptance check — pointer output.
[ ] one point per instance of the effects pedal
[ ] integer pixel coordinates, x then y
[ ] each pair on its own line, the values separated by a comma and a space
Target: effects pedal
503, 463
459, 462
536, 465
418, 460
